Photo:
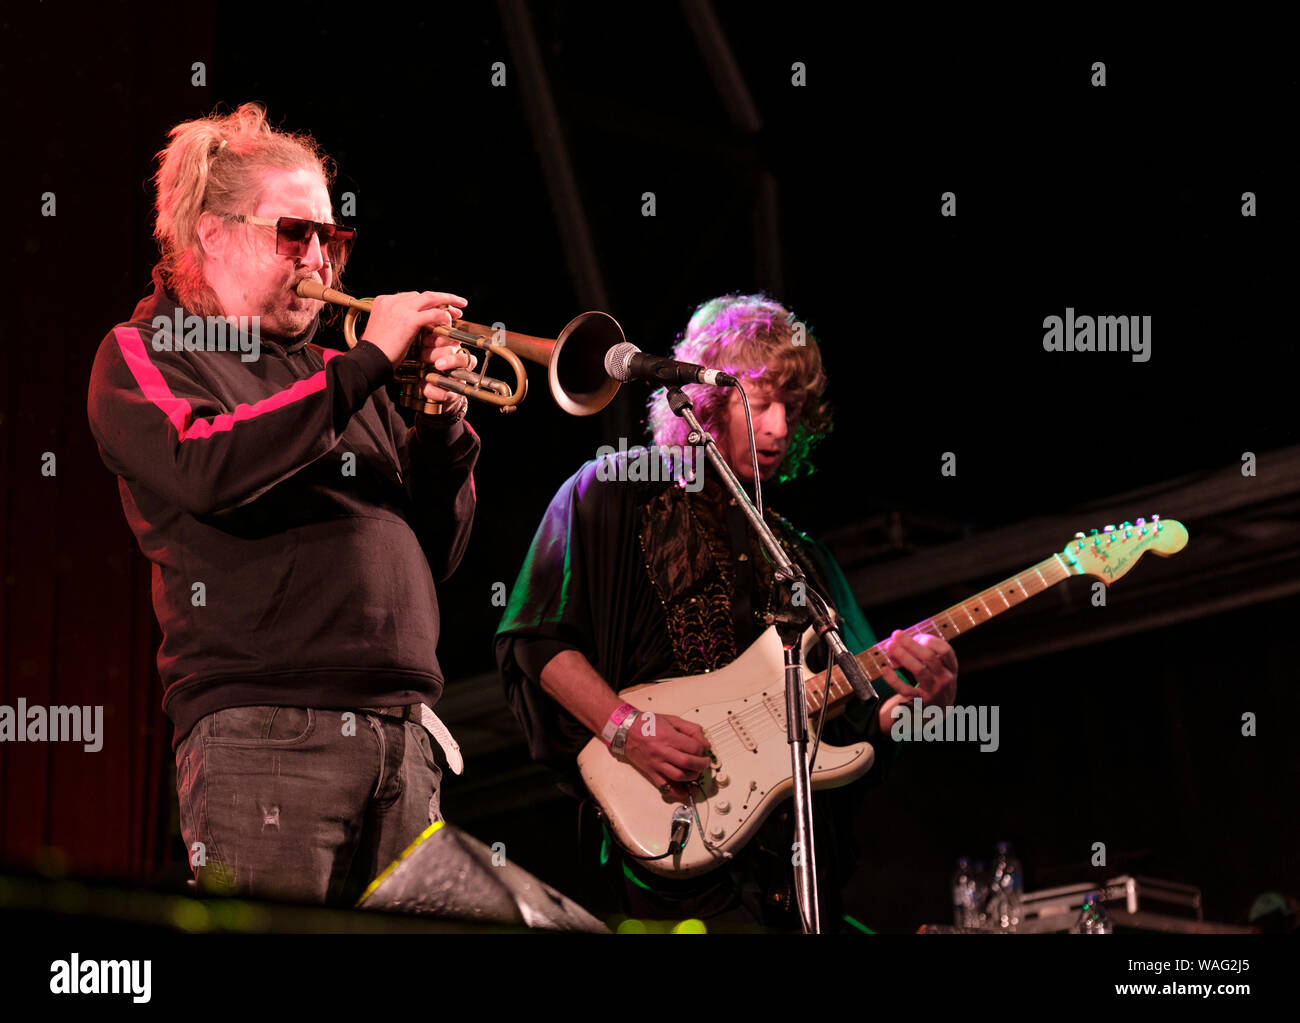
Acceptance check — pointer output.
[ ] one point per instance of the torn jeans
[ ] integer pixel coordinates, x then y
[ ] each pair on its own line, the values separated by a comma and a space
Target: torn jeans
302, 804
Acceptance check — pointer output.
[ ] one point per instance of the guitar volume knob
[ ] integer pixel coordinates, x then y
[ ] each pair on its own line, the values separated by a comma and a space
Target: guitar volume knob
722, 778
722, 806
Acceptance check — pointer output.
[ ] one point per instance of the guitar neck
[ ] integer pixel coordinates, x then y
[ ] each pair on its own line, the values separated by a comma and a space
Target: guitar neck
959, 618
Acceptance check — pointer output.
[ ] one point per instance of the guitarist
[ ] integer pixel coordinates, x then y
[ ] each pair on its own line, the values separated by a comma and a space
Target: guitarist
631, 579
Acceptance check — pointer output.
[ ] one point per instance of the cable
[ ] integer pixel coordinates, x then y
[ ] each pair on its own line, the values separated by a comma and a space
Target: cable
753, 453
716, 851
821, 720
829, 612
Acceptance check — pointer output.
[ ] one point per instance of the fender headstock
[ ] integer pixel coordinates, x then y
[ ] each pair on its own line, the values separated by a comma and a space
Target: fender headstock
1110, 552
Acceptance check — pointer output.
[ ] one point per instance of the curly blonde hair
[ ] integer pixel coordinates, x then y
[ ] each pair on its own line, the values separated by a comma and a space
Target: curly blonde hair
749, 336
216, 164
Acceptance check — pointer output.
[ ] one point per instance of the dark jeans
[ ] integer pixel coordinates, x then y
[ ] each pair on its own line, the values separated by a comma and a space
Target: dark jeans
297, 803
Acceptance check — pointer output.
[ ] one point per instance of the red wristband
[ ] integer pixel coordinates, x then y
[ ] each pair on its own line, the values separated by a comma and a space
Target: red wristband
617, 718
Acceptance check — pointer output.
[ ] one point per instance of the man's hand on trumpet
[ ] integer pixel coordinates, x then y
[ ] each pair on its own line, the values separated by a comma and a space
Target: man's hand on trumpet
396, 321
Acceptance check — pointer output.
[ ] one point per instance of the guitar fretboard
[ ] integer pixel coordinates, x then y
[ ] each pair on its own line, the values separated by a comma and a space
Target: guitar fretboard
959, 618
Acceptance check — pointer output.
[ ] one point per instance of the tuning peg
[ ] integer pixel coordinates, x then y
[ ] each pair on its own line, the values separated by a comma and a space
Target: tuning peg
1141, 521
1078, 536
1109, 529
1155, 518
1092, 532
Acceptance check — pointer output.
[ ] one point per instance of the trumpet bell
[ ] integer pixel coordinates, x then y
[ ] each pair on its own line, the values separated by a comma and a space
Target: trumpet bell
576, 368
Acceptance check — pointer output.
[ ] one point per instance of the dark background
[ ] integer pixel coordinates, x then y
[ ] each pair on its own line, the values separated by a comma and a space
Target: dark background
1119, 724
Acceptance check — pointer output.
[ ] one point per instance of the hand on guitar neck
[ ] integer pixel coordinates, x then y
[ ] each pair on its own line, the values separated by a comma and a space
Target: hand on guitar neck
930, 661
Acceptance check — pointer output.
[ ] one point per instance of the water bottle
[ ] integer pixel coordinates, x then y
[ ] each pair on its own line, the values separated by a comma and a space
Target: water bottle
965, 912
1093, 919
1007, 890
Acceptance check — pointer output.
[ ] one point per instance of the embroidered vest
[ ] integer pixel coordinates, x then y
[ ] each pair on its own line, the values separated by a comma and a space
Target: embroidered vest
688, 557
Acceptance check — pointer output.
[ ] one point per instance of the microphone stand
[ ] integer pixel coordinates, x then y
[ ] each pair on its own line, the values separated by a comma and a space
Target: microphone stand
791, 619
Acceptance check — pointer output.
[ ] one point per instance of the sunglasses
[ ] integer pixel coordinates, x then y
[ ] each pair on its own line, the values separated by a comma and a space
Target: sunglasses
293, 236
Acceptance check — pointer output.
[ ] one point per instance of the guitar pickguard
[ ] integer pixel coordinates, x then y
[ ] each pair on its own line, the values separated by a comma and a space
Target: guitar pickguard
742, 708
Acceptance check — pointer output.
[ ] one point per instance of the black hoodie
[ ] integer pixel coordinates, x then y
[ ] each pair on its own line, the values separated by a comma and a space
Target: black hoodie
291, 516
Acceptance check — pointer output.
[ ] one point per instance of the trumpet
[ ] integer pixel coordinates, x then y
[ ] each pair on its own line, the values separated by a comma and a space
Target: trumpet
574, 361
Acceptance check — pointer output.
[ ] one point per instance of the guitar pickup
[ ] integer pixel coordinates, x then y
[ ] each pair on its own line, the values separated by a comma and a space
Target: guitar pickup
742, 733
776, 708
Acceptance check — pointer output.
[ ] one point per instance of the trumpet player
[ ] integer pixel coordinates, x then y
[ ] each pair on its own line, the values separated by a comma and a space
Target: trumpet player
295, 523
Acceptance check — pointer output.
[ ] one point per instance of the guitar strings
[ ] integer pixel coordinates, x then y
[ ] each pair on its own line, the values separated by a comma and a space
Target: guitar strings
723, 737
760, 721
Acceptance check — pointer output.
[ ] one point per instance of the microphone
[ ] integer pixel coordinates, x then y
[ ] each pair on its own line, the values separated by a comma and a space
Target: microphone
627, 362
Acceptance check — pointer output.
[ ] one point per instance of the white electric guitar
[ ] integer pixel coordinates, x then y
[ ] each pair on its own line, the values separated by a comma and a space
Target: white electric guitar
742, 710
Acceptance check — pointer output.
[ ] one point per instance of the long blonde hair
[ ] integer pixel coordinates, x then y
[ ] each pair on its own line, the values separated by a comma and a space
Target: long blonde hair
216, 164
